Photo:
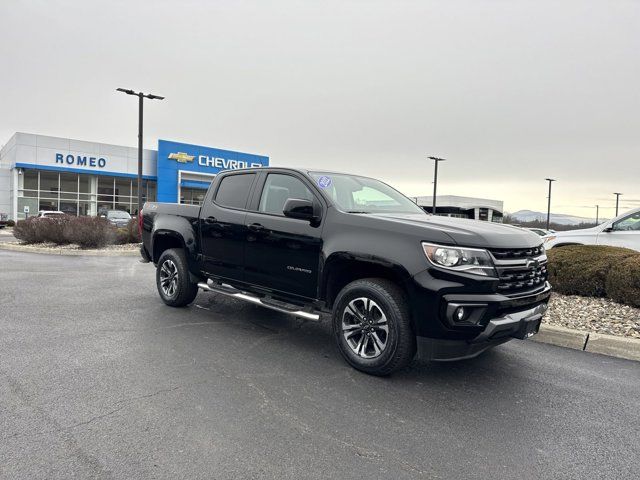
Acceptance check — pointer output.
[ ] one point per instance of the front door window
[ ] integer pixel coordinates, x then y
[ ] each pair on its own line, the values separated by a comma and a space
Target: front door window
630, 223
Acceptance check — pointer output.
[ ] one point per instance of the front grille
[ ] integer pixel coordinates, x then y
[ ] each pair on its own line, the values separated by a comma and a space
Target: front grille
518, 280
515, 253
521, 270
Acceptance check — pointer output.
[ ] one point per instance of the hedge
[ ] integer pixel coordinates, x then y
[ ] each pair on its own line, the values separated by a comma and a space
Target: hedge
87, 232
596, 271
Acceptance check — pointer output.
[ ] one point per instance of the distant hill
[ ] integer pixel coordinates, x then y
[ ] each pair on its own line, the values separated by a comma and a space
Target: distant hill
560, 218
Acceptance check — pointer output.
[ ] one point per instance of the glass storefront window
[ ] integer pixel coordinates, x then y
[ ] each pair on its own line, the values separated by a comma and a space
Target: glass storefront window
28, 193
85, 184
71, 193
48, 204
123, 187
192, 196
84, 208
70, 208
49, 184
30, 179
32, 203
106, 190
125, 207
69, 182
151, 191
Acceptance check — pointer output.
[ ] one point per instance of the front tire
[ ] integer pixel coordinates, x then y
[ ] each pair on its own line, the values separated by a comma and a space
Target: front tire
372, 326
173, 280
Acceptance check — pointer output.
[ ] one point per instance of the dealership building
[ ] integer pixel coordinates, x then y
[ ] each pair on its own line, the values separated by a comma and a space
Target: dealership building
464, 207
79, 177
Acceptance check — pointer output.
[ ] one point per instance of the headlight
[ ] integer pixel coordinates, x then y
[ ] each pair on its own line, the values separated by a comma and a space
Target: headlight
548, 239
460, 259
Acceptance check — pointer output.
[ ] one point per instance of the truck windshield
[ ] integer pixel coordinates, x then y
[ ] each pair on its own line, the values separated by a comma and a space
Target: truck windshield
355, 194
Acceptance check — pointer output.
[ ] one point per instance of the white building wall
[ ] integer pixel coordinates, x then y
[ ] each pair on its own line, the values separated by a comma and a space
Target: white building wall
7, 154
466, 203
5, 191
40, 151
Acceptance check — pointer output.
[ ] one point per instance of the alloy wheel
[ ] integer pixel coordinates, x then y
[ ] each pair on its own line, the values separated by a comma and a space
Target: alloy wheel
365, 328
169, 278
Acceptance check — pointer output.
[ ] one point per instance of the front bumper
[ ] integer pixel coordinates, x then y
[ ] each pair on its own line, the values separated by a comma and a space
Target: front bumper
511, 322
499, 330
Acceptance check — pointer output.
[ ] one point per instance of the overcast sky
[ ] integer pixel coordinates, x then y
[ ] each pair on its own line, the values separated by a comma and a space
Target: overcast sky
510, 92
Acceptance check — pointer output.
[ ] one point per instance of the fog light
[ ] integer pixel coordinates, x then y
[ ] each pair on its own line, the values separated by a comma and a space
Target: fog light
459, 314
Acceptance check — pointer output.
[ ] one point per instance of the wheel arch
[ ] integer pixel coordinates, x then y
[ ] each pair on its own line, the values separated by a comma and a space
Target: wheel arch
173, 231
164, 240
342, 268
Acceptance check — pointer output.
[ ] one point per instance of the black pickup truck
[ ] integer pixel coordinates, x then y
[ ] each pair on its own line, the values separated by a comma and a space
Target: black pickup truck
395, 279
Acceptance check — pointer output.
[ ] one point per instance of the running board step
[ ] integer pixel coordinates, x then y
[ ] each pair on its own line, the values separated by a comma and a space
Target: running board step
281, 307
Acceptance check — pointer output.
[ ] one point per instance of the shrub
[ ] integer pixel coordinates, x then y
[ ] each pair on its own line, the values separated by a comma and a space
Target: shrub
133, 235
623, 282
90, 232
596, 271
52, 229
128, 234
11, 223
26, 231
121, 237
38, 230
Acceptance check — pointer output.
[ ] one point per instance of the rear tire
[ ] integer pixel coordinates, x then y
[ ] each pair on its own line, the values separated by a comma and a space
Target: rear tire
372, 326
173, 280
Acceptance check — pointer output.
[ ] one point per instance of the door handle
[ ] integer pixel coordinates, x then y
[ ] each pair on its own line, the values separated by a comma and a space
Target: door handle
210, 219
256, 227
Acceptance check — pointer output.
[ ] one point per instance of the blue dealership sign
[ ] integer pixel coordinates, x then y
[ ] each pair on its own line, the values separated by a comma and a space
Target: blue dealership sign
198, 163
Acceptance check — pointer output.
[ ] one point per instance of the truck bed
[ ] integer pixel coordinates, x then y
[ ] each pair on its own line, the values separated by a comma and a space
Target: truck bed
190, 212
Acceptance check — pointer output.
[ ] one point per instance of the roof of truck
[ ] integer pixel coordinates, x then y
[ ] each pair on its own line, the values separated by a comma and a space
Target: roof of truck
295, 169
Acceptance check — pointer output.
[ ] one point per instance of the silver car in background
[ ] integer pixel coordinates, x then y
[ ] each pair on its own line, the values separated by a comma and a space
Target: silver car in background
622, 231
119, 218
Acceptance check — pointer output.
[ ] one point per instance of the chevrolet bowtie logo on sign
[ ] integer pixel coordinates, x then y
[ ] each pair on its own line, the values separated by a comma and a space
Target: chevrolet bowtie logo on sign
181, 157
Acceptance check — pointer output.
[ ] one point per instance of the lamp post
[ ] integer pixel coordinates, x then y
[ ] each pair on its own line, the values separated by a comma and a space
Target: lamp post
141, 96
597, 213
617, 201
436, 160
550, 180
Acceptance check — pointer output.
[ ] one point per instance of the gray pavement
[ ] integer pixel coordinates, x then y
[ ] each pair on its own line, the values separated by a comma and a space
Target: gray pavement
6, 235
99, 379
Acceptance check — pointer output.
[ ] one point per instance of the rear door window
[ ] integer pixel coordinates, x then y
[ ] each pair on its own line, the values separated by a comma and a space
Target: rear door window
234, 190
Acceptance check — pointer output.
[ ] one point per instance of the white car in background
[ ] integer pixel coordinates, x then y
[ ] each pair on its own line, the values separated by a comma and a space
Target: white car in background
622, 231
539, 231
50, 214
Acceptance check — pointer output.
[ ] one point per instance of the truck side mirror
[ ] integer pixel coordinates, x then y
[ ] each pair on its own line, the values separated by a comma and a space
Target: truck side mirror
302, 210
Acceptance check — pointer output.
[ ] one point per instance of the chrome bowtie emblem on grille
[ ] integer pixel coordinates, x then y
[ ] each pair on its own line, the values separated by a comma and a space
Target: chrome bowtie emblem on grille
532, 264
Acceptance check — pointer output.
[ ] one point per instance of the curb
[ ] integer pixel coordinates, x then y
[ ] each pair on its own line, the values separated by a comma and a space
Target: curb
63, 251
621, 347
611, 345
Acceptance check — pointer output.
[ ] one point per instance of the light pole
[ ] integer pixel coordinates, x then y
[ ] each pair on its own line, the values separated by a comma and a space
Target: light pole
141, 96
550, 180
436, 160
617, 200
597, 213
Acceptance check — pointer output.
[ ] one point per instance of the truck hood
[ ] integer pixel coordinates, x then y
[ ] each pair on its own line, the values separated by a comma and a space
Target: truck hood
468, 233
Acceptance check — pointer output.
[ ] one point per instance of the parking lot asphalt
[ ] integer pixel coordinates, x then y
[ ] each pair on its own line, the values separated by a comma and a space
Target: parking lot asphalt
99, 379
6, 235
